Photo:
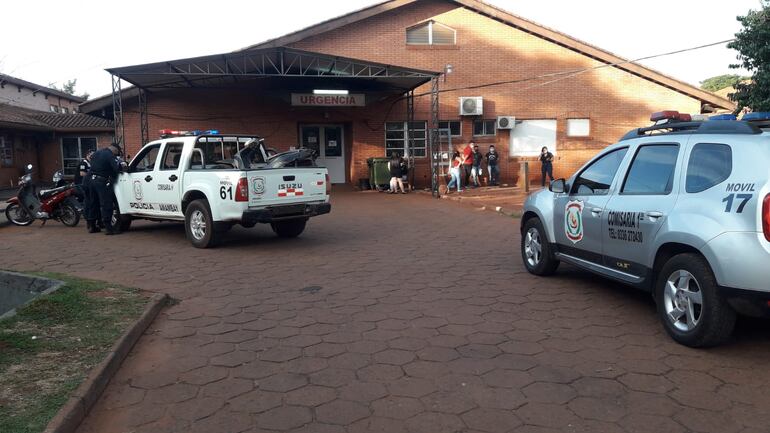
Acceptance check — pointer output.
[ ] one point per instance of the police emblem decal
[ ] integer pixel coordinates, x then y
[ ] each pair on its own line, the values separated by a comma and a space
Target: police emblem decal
138, 190
573, 221
258, 185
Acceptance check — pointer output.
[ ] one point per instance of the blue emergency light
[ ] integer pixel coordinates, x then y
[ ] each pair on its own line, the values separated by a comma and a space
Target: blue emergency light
757, 116
723, 117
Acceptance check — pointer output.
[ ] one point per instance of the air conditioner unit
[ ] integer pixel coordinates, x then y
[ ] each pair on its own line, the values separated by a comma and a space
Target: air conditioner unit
471, 106
506, 122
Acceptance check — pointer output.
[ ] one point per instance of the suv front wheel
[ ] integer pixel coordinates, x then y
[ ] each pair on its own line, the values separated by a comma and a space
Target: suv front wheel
689, 305
535, 250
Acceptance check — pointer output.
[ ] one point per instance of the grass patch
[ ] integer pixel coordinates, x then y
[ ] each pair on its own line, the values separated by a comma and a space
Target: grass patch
50, 346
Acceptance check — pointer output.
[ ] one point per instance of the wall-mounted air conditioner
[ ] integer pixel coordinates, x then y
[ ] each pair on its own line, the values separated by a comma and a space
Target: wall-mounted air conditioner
471, 106
506, 122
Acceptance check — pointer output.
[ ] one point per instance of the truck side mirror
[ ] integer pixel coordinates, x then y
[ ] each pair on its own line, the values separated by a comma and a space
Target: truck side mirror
558, 186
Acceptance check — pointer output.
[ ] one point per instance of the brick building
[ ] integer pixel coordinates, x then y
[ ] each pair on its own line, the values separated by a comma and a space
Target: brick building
564, 93
49, 141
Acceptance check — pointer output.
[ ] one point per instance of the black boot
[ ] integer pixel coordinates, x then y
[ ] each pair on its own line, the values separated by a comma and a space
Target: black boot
92, 228
111, 230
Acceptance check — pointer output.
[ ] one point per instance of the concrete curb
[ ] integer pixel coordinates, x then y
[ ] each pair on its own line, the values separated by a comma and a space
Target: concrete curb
86, 395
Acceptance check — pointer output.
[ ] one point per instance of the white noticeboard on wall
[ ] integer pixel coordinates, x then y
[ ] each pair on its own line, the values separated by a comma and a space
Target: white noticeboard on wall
530, 136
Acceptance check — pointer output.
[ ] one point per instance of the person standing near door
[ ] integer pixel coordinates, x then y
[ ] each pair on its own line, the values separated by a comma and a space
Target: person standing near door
104, 172
546, 165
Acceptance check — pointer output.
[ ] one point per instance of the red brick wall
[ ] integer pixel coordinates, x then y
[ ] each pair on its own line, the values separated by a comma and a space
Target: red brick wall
486, 51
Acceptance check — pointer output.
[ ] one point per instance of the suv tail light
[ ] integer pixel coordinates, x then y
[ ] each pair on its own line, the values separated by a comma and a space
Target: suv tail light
328, 184
242, 191
766, 217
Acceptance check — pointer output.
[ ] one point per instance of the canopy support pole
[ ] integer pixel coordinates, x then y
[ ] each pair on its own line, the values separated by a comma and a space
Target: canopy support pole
435, 157
117, 113
145, 132
410, 134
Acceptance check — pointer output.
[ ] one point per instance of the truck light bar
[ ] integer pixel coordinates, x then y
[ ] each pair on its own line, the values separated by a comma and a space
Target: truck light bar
173, 133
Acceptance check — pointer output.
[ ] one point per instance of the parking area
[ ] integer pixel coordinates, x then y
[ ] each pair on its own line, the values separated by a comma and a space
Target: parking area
393, 314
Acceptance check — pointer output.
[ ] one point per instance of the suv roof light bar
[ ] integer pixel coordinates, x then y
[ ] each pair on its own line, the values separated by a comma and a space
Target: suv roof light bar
708, 127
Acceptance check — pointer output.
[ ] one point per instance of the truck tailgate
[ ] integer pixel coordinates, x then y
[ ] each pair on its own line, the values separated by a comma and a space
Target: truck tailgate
280, 186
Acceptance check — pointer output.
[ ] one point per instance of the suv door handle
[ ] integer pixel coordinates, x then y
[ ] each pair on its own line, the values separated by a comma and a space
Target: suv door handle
596, 211
173, 178
655, 214
148, 178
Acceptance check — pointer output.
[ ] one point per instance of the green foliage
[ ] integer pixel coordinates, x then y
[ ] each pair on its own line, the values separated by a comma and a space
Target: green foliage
69, 88
753, 46
721, 82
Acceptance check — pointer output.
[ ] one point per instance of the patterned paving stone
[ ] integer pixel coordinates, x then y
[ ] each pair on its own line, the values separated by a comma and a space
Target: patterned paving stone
394, 342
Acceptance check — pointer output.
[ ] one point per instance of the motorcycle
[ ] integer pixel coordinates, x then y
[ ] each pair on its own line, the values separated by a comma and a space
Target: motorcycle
30, 204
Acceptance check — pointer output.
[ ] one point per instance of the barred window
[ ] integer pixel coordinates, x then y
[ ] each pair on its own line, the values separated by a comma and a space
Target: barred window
396, 138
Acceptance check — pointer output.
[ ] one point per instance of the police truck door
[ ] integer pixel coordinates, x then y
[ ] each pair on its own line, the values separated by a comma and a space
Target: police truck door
578, 215
167, 182
646, 195
134, 187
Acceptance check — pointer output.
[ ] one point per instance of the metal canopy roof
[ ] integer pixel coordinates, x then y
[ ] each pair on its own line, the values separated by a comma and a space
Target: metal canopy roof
294, 70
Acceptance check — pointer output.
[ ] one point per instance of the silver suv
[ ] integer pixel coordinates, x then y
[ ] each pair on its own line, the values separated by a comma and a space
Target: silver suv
680, 209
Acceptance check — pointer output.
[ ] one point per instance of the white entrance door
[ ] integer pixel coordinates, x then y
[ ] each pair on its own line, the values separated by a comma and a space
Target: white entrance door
328, 141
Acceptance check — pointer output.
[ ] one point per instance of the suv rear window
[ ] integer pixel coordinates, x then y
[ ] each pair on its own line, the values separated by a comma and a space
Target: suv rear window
710, 164
652, 171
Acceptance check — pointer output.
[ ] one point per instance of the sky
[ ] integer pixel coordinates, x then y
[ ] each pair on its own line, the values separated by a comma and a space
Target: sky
60, 40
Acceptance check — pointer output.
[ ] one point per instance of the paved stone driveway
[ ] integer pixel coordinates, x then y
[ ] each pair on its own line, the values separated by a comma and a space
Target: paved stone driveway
394, 314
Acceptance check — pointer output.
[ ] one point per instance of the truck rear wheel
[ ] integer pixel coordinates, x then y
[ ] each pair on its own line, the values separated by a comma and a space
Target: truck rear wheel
289, 228
689, 304
199, 225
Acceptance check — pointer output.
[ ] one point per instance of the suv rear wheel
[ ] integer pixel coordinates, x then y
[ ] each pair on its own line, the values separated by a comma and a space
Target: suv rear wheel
689, 305
535, 250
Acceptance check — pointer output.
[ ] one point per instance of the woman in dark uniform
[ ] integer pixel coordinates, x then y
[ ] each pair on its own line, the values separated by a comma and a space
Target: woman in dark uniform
546, 167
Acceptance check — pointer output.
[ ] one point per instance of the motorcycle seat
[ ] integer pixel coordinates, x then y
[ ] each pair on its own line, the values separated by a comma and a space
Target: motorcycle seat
45, 193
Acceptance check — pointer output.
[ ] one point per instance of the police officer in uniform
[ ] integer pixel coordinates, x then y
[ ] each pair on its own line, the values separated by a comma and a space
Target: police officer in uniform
81, 182
104, 172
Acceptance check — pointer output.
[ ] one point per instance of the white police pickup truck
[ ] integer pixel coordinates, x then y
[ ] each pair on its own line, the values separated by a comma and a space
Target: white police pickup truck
213, 181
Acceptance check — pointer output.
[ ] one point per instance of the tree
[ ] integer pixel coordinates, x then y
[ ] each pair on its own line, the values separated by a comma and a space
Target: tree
721, 82
753, 45
69, 88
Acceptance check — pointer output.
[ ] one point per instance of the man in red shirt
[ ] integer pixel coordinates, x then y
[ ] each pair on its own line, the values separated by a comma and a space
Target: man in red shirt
467, 162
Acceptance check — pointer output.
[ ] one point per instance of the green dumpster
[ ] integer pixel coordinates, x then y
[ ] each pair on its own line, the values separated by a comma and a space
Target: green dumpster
379, 174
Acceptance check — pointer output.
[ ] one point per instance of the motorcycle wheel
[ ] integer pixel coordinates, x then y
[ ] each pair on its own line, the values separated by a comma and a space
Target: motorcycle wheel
17, 215
70, 216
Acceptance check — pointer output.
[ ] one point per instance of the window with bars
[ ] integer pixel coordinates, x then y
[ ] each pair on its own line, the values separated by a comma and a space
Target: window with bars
482, 127
431, 33
73, 150
6, 151
397, 140
455, 127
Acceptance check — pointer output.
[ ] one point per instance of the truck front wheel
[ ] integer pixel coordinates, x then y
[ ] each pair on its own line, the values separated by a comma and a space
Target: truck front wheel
289, 228
199, 225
